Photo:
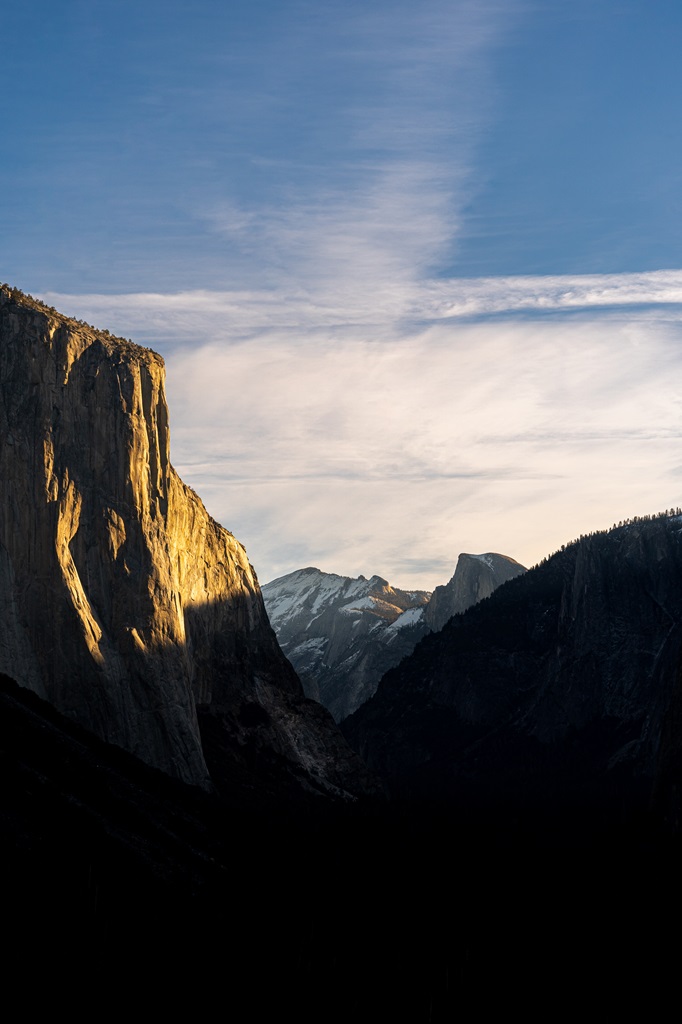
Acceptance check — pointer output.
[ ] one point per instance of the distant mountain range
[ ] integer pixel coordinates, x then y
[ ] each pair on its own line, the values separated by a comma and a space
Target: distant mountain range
342, 634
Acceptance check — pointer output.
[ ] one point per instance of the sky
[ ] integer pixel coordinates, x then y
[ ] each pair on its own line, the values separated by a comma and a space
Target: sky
415, 269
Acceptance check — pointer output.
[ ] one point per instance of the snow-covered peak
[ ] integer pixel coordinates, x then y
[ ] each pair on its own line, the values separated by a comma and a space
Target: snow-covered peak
307, 593
297, 599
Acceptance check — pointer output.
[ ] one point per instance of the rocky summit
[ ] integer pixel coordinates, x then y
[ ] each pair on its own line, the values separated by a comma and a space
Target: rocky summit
122, 602
474, 579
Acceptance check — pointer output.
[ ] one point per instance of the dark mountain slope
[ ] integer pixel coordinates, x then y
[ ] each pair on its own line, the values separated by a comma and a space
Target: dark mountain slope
559, 687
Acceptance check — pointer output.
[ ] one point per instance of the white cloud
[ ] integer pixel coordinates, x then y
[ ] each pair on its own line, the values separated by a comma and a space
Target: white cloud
486, 296
389, 306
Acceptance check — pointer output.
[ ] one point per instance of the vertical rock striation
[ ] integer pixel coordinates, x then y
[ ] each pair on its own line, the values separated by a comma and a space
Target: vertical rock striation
122, 601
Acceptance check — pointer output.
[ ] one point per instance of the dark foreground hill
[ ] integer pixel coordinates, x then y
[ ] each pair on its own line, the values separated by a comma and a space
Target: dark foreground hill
128, 891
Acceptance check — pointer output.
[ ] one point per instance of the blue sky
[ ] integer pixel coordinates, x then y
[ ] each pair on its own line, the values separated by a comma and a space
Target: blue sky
415, 269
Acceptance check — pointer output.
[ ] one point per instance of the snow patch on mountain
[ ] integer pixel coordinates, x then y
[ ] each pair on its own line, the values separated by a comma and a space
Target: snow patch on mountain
408, 618
336, 631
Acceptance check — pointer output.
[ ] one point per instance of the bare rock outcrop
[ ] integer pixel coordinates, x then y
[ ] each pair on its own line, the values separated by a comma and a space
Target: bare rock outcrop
474, 579
121, 600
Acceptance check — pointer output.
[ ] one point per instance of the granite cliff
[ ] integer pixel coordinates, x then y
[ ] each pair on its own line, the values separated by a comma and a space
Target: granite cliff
474, 579
122, 602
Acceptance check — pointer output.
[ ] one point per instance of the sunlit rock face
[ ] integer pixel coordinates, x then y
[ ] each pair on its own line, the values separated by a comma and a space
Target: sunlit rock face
121, 601
342, 634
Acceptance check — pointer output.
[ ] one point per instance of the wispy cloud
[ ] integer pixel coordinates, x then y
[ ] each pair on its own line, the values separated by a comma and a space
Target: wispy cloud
381, 231
388, 305
485, 296
370, 196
